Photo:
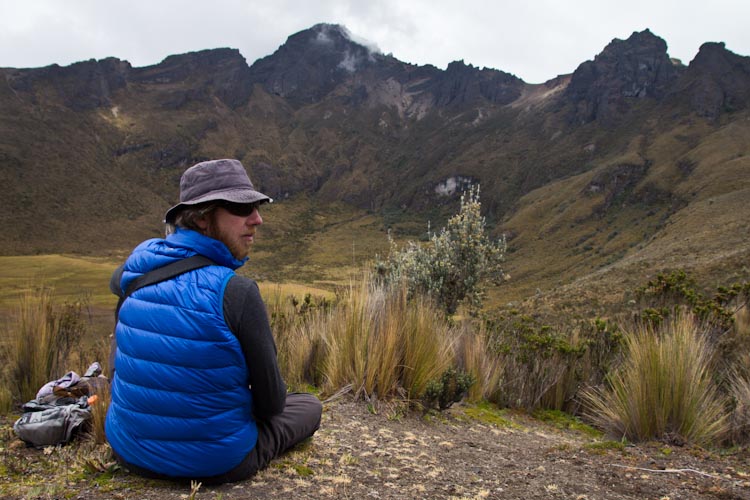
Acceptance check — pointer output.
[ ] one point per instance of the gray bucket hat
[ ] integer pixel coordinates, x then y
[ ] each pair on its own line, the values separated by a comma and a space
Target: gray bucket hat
215, 180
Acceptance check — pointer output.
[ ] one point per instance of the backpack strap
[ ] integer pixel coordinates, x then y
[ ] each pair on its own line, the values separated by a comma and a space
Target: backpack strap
155, 276
150, 278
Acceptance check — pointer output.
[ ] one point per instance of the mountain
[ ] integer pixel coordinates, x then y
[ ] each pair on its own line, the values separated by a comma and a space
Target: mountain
634, 162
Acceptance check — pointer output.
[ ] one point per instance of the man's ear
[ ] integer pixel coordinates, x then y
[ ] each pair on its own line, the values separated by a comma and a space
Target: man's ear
202, 222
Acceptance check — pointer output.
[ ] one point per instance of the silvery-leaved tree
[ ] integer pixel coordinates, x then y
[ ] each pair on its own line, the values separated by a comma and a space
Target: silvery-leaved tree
456, 265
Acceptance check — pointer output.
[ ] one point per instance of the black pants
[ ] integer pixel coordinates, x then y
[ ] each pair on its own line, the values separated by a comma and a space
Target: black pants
299, 420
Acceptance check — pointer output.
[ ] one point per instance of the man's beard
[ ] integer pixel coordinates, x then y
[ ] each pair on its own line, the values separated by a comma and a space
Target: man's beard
236, 246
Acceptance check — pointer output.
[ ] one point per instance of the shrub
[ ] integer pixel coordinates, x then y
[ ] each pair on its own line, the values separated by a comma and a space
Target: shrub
602, 343
455, 265
724, 316
663, 389
537, 361
667, 293
448, 389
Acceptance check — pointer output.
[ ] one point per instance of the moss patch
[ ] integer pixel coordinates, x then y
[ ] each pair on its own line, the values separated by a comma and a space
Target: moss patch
565, 421
490, 414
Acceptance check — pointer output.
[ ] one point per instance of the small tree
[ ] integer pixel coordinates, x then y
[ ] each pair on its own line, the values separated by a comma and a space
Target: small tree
455, 265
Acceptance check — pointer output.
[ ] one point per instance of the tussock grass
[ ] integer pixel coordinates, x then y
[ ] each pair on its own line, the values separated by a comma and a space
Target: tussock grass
476, 360
664, 388
6, 400
372, 339
345, 334
40, 342
379, 342
298, 342
384, 346
741, 414
429, 343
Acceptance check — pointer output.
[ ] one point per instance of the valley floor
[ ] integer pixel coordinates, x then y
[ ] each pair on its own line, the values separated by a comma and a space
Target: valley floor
376, 451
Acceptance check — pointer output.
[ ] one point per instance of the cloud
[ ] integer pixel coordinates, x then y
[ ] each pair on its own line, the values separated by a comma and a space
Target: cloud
533, 40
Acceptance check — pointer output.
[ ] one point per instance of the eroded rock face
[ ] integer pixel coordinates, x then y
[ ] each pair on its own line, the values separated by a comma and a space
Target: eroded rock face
463, 84
716, 81
326, 60
220, 72
90, 84
636, 68
81, 86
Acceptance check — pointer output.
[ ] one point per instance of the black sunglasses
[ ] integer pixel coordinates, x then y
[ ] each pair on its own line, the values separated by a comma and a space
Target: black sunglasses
240, 209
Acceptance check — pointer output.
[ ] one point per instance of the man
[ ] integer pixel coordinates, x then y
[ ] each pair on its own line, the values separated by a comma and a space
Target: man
196, 391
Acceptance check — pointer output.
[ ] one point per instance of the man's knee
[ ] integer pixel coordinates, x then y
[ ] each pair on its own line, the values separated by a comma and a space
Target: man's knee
306, 406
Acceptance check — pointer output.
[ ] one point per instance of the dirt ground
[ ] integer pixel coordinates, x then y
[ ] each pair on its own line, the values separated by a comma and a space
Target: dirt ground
380, 451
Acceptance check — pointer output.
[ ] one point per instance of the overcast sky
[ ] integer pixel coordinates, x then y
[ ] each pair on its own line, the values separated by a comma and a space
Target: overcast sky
535, 40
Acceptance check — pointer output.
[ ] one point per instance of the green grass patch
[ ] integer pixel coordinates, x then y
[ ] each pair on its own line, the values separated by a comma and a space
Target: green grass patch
71, 277
301, 469
565, 421
304, 241
271, 291
490, 414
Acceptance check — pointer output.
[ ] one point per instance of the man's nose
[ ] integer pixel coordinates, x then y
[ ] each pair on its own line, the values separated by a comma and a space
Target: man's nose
254, 219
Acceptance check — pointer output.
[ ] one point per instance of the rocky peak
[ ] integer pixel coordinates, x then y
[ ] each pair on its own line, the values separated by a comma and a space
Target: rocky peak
315, 61
638, 67
312, 63
716, 81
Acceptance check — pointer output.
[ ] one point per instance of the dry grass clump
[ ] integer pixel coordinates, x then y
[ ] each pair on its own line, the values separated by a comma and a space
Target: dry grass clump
99, 413
664, 387
380, 342
428, 343
740, 417
39, 343
476, 359
346, 334
374, 339
298, 342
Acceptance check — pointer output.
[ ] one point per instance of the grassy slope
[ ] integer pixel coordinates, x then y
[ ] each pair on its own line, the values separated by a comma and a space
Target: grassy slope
302, 248
562, 231
566, 246
690, 210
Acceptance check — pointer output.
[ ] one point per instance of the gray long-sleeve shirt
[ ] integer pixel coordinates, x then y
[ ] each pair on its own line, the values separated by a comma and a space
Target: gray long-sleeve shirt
247, 318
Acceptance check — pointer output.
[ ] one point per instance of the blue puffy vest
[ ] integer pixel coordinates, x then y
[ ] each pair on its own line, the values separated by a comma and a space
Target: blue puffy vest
181, 405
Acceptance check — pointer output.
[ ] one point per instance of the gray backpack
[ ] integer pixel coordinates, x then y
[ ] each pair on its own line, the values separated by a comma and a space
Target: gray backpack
50, 423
